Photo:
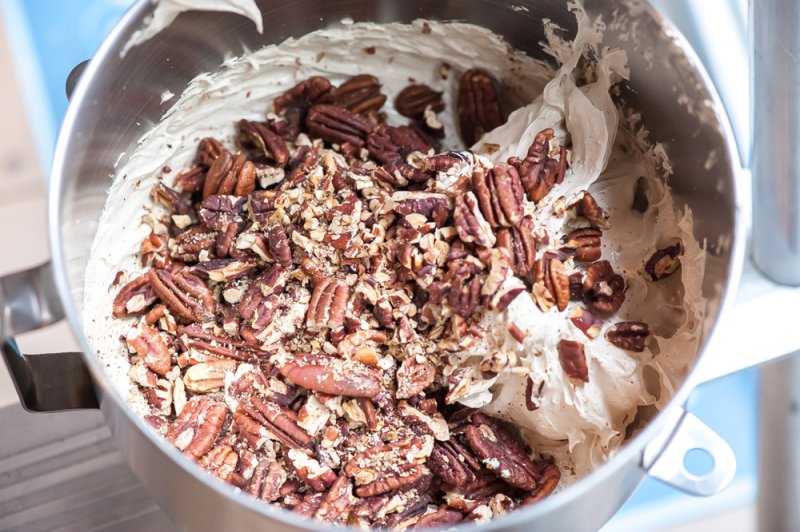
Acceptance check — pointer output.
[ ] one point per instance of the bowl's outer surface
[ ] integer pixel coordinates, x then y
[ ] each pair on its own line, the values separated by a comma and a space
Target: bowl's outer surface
119, 99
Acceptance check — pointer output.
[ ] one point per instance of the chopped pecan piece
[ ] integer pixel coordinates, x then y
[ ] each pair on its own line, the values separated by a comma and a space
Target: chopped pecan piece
629, 335
191, 180
190, 243
328, 305
279, 246
230, 174
441, 518
317, 476
134, 298
337, 125
584, 243
360, 94
603, 290
413, 377
334, 376
197, 426
172, 200
151, 347
217, 212
501, 452
257, 136
478, 107
664, 262
573, 359
413, 100
337, 502
587, 322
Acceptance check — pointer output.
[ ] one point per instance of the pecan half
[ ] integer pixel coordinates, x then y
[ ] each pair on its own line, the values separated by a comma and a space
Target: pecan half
453, 463
442, 517
465, 290
501, 452
221, 461
412, 101
230, 175
188, 244
257, 136
549, 477
317, 476
603, 290
478, 107
280, 423
629, 335
172, 200
470, 223
328, 305
337, 502
279, 246
588, 208
303, 95
187, 296
521, 245
551, 283
500, 195
217, 212
337, 125
360, 94
191, 180
134, 298
207, 152
208, 376
414, 376
151, 347
573, 359
267, 480
389, 144
587, 322
334, 376
664, 262
538, 171
583, 243
197, 426
384, 468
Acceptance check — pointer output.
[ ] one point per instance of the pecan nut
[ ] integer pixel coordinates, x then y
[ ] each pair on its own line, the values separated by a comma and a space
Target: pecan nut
501, 452
267, 480
390, 144
337, 501
197, 426
539, 171
279, 246
664, 262
134, 298
207, 152
257, 136
478, 107
583, 243
603, 290
520, 243
587, 322
328, 305
551, 283
441, 518
187, 296
586, 206
453, 463
413, 100
573, 359
318, 477
470, 223
629, 335
299, 98
335, 124
549, 477
500, 195
151, 347
334, 376
259, 419
208, 376
230, 175
414, 376
222, 461
385, 468
360, 94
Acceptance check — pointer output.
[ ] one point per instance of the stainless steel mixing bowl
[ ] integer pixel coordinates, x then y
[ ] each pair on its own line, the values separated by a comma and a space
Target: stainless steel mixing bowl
119, 98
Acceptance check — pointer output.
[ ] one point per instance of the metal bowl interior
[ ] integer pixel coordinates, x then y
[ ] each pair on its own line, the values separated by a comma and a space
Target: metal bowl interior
119, 99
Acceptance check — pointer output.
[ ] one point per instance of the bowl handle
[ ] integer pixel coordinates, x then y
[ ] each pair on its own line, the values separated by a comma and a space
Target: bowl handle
663, 458
47, 382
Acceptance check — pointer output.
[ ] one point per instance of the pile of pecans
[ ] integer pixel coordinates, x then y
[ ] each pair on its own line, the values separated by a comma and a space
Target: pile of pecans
303, 294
